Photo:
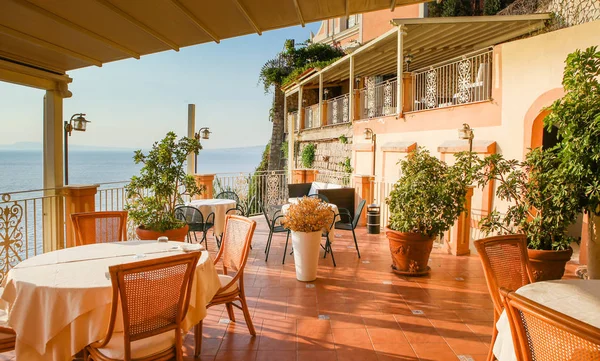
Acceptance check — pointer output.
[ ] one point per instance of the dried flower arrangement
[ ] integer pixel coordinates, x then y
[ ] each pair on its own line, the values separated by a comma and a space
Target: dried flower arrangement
308, 215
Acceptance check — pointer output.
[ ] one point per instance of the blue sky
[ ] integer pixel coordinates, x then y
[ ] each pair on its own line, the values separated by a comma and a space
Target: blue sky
132, 103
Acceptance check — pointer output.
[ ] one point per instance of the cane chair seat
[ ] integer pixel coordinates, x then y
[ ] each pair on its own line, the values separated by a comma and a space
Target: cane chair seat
144, 348
225, 280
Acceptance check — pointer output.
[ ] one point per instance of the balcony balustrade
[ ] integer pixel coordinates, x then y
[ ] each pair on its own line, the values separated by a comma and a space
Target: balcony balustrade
378, 100
463, 80
338, 109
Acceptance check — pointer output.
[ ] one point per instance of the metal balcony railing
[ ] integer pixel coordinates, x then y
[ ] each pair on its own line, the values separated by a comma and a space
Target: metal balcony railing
312, 116
463, 80
338, 109
378, 100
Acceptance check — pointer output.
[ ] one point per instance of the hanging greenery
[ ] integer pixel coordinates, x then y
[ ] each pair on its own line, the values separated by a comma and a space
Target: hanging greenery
308, 155
343, 139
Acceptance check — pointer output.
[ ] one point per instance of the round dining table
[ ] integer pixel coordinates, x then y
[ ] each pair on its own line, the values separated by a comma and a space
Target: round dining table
217, 206
59, 302
579, 299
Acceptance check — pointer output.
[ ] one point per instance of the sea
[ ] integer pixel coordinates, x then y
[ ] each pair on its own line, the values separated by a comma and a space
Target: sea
21, 170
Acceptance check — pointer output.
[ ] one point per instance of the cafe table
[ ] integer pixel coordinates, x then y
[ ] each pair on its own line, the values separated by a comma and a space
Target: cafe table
217, 206
579, 299
59, 302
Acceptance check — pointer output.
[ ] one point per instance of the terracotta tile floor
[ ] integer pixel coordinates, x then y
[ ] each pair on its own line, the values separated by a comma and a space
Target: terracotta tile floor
358, 310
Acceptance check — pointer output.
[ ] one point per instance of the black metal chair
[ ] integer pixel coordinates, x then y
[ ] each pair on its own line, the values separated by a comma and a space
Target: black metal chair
239, 208
320, 196
351, 223
195, 221
271, 218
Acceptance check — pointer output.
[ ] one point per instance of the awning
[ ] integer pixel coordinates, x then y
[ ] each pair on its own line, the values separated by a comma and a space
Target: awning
429, 41
61, 35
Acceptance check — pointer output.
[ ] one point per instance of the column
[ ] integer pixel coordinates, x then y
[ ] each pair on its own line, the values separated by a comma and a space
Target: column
320, 117
205, 181
351, 91
300, 108
78, 198
458, 237
399, 64
364, 190
53, 219
291, 138
191, 131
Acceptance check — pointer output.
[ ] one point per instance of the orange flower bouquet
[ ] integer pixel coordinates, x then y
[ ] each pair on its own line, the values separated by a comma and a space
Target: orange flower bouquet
308, 215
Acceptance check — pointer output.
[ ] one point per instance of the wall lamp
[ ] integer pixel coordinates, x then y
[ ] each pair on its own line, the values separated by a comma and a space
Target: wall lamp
78, 123
370, 135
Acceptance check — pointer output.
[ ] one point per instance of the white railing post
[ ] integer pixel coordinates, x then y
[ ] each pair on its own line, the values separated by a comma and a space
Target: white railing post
320, 109
399, 64
191, 131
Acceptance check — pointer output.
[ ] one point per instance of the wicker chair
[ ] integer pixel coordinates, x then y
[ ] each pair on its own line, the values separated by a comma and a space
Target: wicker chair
234, 252
7, 334
196, 222
99, 227
154, 296
542, 334
505, 264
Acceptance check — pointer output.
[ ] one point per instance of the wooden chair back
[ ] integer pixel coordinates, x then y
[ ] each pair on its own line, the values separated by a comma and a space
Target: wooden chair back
154, 297
505, 264
542, 334
235, 247
99, 227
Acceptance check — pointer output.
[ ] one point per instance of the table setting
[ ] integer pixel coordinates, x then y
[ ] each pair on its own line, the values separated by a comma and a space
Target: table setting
59, 302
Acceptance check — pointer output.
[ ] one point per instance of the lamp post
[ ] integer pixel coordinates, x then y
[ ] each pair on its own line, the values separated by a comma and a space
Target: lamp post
203, 133
78, 123
466, 133
370, 135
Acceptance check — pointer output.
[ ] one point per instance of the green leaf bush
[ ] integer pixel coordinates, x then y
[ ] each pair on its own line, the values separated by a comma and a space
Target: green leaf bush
308, 155
430, 195
162, 183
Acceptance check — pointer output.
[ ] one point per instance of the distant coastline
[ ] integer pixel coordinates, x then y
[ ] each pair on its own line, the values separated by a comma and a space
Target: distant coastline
37, 146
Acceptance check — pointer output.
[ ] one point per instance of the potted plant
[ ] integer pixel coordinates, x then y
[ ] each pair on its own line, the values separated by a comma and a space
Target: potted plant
160, 187
306, 220
576, 118
541, 205
424, 203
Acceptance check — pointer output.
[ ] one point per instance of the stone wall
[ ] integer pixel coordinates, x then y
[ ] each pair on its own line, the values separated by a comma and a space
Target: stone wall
330, 152
567, 12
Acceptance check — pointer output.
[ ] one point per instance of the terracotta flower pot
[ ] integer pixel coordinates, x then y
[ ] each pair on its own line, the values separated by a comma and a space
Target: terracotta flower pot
410, 252
177, 234
548, 265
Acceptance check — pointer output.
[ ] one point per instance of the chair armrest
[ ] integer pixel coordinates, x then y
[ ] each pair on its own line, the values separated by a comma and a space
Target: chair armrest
345, 212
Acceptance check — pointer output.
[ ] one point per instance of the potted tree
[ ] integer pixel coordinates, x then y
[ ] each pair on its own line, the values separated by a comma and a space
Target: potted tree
541, 206
576, 116
306, 220
160, 187
424, 203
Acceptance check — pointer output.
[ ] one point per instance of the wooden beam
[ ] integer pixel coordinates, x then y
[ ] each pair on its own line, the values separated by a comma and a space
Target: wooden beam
299, 12
47, 45
393, 5
247, 16
194, 19
78, 28
138, 24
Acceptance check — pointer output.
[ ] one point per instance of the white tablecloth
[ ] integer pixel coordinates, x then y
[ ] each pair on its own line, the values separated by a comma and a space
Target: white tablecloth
217, 206
59, 302
334, 208
579, 299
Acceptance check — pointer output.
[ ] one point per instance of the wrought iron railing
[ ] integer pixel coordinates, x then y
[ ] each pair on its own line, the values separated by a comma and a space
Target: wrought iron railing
312, 116
378, 100
338, 110
255, 188
463, 80
23, 218
111, 196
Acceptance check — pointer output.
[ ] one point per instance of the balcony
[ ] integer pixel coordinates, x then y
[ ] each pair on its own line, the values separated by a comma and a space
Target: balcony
463, 80
378, 100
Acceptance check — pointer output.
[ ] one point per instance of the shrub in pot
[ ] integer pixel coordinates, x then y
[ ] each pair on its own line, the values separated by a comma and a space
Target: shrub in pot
424, 203
576, 117
153, 194
542, 204
306, 220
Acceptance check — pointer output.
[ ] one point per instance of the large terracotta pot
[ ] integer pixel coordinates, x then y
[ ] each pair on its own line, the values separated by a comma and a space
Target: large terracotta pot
306, 254
410, 252
548, 265
177, 234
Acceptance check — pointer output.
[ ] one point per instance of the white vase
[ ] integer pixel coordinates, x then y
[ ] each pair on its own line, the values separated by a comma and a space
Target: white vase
306, 254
